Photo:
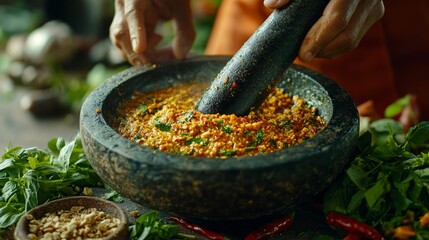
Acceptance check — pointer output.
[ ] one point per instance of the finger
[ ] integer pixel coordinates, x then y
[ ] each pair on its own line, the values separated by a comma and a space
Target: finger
184, 28
117, 27
134, 14
333, 21
132, 57
275, 3
349, 39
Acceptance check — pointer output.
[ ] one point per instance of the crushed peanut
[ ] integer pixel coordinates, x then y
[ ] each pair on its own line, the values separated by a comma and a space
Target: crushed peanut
76, 223
166, 120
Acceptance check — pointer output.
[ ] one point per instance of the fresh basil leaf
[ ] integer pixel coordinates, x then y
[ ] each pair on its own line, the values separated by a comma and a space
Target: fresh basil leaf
151, 226
64, 157
396, 107
381, 187
356, 201
382, 129
10, 214
401, 202
9, 189
113, 195
358, 176
7, 163
418, 135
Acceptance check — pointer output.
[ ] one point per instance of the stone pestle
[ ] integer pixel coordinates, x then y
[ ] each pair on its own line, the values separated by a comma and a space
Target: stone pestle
254, 71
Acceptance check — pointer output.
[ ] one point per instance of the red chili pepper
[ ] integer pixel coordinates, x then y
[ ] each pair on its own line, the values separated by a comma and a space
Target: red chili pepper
353, 226
271, 228
352, 236
206, 233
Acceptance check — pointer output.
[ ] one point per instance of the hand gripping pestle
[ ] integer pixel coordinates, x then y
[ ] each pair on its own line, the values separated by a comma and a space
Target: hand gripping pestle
252, 73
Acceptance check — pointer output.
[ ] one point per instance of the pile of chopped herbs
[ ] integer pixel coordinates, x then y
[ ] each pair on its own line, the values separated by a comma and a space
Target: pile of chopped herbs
388, 179
32, 176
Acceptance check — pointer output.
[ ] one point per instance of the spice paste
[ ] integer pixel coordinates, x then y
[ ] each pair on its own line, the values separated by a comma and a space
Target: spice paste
166, 120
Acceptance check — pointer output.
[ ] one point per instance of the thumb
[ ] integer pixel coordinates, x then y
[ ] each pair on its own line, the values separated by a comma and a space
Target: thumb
184, 28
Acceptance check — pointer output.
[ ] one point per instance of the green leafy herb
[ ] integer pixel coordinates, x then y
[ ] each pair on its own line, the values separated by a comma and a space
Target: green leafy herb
196, 140
137, 137
259, 137
142, 109
227, 129
249, 148
165, 127
227, 153
113, 195
389, 175
151, 226
31, 176
396, 107
188, 115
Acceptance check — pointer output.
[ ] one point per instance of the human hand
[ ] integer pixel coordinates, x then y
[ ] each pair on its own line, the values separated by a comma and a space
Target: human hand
134, 24
339, 29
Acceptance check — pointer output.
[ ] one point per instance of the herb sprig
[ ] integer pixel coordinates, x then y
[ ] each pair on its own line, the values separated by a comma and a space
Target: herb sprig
151, 226
32, 176
389, 176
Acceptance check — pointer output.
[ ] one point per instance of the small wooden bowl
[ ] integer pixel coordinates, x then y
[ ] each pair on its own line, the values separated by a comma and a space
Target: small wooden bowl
22, 231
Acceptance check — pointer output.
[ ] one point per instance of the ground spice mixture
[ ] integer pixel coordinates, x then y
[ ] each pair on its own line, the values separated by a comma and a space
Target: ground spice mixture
166, 120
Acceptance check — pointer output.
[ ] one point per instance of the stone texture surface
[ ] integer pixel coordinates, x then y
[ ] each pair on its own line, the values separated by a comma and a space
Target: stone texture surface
236, 188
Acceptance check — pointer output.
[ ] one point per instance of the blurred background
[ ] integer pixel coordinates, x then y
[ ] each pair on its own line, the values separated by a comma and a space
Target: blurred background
53, 53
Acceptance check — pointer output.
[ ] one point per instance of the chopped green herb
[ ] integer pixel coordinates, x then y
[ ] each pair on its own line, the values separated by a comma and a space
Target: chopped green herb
259, 137
227, 152
273, 142
196, 140
188, 115
220, 122
286, 124
165, 127
142, 109
250, 148
227, 129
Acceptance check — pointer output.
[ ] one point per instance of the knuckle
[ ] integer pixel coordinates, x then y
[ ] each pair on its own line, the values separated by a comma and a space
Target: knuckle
116, 31
339, 21
130, 12
348, 40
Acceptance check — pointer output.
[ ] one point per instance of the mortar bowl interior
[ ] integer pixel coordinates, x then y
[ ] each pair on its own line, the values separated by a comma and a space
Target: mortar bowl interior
235, 188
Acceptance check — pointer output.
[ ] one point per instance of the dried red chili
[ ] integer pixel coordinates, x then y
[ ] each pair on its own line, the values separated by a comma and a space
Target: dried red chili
353, 226
271, 228
206, 233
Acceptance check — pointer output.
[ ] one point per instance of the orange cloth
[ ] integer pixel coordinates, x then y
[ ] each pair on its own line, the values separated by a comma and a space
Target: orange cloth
392, 59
